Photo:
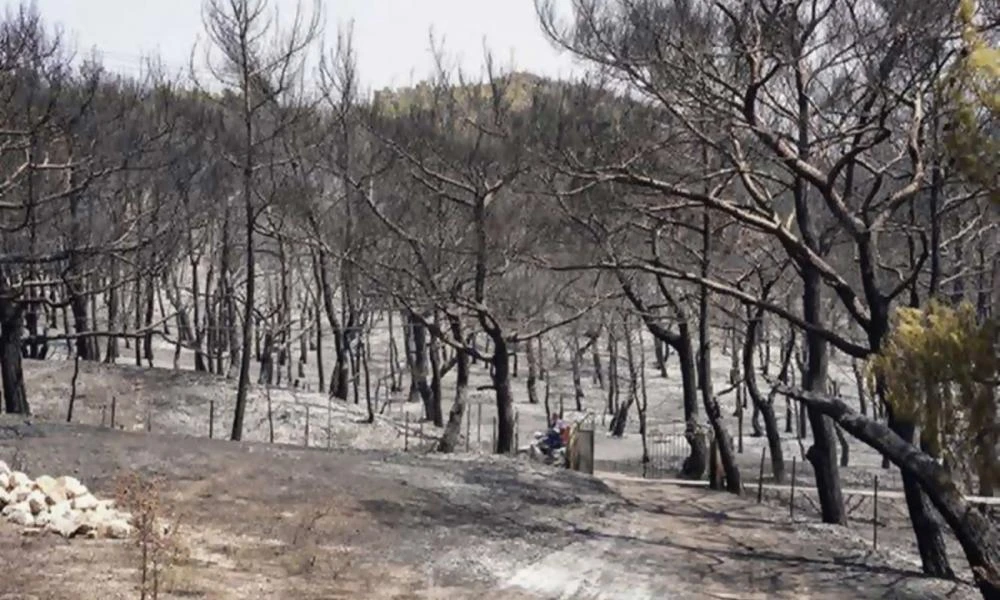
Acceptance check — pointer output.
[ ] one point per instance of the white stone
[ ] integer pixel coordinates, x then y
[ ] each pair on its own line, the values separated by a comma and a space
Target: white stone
43, 518
88, 525
53, 490
61, 509
117, 529
60, 505
72, 486
65, 527
37, 502
21, 515
85, 502
21, 493
19, 479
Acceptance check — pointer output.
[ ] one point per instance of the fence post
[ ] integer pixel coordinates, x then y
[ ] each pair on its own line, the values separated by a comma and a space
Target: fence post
791, 498
875, 517
211, 419
517, 431
114, 402
104, 415
468, 426
760, 476
739, 416
479, 427
493, 437
307, 425
406, 432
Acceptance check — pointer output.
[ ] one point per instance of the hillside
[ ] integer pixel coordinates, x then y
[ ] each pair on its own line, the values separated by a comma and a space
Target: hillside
271, 521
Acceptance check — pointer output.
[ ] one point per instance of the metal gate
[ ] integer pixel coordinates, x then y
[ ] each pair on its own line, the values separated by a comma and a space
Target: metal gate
581, 446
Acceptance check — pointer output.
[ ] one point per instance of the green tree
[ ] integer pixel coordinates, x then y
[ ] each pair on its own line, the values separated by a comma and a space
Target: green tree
940, 367
973, 85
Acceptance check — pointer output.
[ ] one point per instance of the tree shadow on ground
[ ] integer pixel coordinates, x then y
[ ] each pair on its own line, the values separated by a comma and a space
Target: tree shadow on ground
578, 514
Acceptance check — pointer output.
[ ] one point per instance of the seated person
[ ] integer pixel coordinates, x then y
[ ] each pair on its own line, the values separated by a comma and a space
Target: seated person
554, 437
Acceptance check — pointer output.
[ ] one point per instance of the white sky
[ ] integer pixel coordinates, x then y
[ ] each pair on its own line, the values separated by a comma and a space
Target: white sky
390, 36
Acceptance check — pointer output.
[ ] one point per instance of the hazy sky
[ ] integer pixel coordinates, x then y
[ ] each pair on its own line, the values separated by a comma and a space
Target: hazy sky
391, 36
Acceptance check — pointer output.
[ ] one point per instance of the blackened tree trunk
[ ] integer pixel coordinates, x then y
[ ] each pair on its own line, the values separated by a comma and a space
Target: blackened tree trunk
137, 322
859, 380
822, 455
924, 521
395, 378
226, 315
266, 375
339, 380
356, 366
680, 340
81, 325
845, 448
978, 536
504, 397
321, 379
11, 330
712, 410
33, 347
613, 393
542, 369
662, 352
697, 461
147, 338
575, 365
284, 313
784, 372
419, 390
621, 415
532, 382
436, 412
595, 357
453, 430
246, 347
764, 406
111, 350
926, 527
369, 403
86, 346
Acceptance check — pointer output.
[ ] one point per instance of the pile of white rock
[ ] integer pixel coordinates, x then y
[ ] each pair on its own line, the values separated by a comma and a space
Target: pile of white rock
60, 505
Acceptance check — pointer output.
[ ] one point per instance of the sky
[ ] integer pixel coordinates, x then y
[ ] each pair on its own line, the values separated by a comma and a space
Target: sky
391, 37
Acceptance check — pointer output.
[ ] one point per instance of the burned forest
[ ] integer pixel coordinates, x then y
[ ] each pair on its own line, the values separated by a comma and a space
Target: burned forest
748, 245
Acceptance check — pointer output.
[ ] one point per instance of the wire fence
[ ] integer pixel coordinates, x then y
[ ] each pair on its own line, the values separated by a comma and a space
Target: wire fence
667, 451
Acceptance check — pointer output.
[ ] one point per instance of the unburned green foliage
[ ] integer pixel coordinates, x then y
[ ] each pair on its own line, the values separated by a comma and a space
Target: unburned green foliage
973, 87
940, 367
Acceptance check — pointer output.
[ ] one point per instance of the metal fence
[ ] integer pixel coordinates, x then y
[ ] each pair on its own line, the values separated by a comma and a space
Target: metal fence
667, 451
581, 447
